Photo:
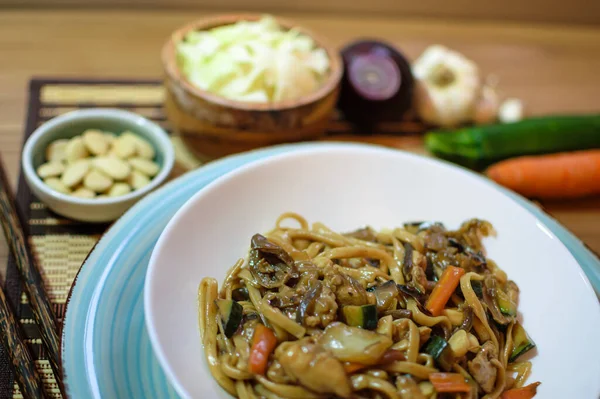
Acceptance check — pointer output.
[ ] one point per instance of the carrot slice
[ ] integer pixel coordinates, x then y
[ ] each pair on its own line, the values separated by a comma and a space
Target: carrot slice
352, 367
449, 382
526, 392
263, 344
562, 175
443, 289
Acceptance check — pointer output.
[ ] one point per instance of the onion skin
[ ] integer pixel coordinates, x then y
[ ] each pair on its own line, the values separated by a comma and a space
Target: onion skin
353, 344
367, 111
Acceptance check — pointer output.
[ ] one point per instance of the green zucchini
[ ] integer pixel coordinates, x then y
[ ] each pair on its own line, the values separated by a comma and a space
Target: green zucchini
521, 342
364, 316
231, 315
506, 306
477, 288
441, 352
479, 146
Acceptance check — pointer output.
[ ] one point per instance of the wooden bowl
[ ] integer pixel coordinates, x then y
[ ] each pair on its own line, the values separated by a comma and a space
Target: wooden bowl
212, 125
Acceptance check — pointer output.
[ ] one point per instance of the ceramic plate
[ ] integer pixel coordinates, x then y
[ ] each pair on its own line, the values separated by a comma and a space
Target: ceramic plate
347, 187
106, 352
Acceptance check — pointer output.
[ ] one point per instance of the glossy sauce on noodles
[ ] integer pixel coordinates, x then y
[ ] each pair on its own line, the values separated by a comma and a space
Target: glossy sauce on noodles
416, 311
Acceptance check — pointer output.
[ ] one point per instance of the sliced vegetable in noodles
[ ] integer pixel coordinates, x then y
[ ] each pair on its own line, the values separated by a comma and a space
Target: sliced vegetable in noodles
444, 289
351, 344
441, 352
449, 382
231, 315
263, 344
521, 342
364, 316
527, 392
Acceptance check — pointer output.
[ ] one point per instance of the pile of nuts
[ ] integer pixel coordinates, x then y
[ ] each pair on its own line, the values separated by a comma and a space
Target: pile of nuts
99, 164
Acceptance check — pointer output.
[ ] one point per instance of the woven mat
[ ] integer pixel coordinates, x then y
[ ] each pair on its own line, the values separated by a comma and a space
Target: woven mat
61, 245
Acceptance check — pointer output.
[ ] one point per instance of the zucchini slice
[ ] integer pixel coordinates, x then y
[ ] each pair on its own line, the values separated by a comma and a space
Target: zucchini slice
364, 316
477, 288
231, 315
521, 342
441, 352
506, 306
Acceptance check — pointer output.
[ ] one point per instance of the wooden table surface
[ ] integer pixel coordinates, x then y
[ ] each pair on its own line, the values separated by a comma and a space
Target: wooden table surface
553, 69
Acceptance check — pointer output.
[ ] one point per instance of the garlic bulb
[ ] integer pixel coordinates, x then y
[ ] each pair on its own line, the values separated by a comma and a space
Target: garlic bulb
511, 110
486, 107
448, 86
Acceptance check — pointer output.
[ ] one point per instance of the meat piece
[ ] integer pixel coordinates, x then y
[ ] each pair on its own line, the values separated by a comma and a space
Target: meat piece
323, 307
435, 239
365, 276
482, 369
285, 298
415, 265
347, 290
269, 263
365, 234
309, 274
277, 374
314, 367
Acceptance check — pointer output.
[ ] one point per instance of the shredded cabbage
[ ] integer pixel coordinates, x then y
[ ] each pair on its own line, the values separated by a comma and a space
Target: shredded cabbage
253, 61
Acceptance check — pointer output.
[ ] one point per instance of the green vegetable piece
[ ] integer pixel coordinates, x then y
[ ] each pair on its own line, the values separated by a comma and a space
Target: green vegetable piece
477, 288
364, 316
479, 146
521, 342
441, 352
506, 306
231, 315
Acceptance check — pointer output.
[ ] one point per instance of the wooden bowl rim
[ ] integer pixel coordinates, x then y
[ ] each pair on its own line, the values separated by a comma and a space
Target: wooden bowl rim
173, 71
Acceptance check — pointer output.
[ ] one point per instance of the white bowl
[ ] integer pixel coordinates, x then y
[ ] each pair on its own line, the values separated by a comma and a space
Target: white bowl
346, 187
74, 123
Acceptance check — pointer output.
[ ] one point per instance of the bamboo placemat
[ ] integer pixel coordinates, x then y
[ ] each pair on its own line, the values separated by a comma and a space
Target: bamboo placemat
60, 245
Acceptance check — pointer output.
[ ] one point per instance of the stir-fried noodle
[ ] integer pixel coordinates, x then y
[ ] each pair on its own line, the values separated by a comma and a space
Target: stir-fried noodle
413, 312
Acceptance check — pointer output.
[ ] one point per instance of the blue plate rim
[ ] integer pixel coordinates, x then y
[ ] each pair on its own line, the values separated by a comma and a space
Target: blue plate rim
116, 226
263, 153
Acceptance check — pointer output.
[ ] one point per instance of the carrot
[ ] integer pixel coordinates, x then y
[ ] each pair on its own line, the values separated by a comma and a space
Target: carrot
263, 344
561, 175
351, 367
527, 392
449, 382
443, 289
